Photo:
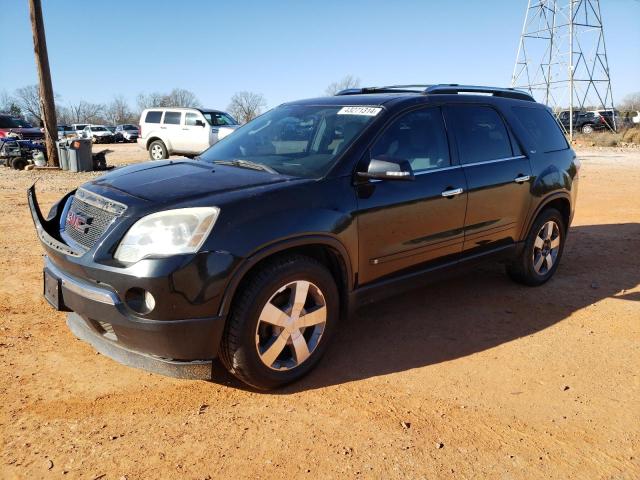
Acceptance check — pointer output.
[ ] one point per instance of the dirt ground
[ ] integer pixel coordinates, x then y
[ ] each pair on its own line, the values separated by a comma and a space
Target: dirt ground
476, 377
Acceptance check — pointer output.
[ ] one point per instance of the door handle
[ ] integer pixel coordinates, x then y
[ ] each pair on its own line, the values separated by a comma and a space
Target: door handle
452, 193
522, 178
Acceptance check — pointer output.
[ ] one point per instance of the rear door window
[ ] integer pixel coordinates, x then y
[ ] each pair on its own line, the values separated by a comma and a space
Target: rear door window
544, 130
153, 116
172, 118
480, 134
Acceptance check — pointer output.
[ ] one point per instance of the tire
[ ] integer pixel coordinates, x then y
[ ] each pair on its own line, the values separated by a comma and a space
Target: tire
544, 243
587, 129
263, 354
157, 150
19, 163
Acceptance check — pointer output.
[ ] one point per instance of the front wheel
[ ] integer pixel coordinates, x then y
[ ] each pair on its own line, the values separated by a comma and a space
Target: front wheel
542, 250
281, 322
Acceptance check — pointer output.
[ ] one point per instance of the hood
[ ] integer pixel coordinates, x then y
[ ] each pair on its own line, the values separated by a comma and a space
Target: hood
169, 181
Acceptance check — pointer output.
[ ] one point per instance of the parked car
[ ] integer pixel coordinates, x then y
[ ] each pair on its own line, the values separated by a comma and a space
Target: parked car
185, 131
79, 127
590, 121
65, 131
127, 132
19, 127
635, 118
98, 134
254, 251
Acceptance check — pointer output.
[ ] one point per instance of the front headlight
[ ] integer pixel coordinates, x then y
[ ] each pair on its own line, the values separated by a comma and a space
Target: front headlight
171, 232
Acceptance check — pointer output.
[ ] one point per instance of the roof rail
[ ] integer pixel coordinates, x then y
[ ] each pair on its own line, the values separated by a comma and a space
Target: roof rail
454, 88
386, 89
450, 88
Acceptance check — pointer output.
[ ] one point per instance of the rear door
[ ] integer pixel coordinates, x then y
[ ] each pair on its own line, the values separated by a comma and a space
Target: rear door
498, 176
171, 128
402, 224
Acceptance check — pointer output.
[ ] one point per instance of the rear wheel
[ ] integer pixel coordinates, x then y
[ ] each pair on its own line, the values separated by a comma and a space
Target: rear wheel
157, 150
281, 322
542, 250
588, 129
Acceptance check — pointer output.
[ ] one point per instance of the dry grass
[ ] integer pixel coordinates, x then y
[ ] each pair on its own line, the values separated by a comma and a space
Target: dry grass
609, 139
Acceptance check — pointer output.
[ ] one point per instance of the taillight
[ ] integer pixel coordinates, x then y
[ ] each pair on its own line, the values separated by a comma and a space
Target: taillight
2, 134
140, 131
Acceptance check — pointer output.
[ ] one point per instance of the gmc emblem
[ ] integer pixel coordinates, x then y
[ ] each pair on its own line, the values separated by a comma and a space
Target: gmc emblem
78, 222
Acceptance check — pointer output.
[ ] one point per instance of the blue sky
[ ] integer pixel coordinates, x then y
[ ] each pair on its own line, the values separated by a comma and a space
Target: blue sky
282, 49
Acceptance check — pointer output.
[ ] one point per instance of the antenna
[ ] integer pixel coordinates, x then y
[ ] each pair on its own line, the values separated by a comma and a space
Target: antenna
562, 57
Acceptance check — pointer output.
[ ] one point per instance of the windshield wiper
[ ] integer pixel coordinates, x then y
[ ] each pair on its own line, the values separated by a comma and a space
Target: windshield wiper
246, 164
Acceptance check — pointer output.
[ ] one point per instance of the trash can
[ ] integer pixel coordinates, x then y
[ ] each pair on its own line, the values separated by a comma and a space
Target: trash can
63, 154
79, 151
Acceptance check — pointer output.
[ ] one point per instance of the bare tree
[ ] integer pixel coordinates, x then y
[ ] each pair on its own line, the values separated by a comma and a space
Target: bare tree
118, 111
85, 112
28, 99
178, 97
245, 106
349, 81
630, 102
149, 100
9, 104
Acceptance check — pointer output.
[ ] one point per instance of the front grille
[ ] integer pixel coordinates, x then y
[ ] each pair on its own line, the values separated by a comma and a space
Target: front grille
89, 216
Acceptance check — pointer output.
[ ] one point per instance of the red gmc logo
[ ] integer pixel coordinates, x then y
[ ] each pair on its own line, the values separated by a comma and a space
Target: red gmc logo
78, 222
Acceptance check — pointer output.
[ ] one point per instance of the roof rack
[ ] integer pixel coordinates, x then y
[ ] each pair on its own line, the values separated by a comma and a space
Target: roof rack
450, 88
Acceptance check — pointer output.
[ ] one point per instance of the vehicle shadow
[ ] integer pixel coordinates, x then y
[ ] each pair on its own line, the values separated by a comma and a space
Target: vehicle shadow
475, 312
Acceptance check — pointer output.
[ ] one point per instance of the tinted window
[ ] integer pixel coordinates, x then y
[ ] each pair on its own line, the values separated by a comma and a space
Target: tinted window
172, 118
418, 137
480, 134
190, 118
8, 122
545, 131
153, 117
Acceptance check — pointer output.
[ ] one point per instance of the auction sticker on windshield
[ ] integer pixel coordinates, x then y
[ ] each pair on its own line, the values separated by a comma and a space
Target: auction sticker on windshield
368, 111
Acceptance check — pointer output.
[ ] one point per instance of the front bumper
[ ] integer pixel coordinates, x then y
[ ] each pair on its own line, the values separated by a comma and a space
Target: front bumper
175, 340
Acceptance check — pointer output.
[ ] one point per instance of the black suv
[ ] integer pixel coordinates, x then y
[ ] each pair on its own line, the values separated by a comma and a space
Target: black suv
254, 250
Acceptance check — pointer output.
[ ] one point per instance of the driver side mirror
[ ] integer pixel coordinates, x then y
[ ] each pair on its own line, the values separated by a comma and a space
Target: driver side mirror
199, 123
386, 170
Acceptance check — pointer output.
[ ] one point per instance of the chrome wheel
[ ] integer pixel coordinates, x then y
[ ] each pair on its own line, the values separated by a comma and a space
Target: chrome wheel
546, 247
156, 152
588, 129
291, 325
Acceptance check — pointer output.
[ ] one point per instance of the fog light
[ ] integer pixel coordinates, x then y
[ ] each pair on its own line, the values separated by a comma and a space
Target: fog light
139, 300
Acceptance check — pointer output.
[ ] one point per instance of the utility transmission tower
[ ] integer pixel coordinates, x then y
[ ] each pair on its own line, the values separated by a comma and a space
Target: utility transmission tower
562, 57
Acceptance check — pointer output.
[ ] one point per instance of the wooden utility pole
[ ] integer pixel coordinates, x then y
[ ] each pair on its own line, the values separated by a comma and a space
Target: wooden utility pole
47, 105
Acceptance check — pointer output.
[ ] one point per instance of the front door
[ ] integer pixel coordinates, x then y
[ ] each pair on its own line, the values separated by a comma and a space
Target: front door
498, 176
405, 223
194, 136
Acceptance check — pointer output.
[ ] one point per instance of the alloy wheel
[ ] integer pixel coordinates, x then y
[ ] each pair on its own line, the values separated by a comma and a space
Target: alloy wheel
546, 247
156, 152
291, 325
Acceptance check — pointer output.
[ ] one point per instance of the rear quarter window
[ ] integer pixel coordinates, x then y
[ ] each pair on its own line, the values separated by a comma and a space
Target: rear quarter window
542, 127
153, 116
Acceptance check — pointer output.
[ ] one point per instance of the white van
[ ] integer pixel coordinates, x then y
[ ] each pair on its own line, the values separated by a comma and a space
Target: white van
167, 131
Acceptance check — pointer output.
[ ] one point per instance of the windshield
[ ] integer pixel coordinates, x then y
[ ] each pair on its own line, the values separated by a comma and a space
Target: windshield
297, 140
219, 119
129, 127
98, 129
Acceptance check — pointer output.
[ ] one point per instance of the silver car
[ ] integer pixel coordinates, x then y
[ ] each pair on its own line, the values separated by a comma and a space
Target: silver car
127, 133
